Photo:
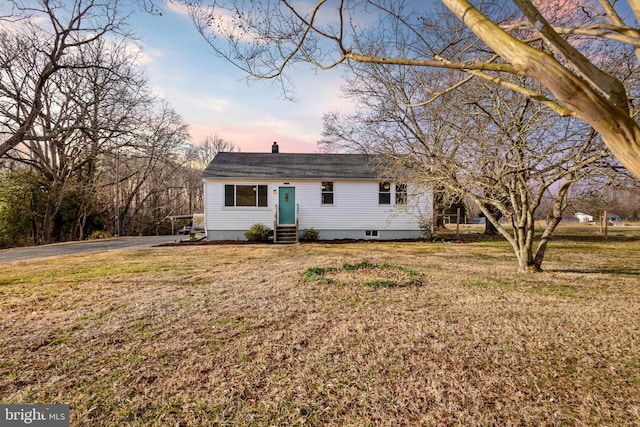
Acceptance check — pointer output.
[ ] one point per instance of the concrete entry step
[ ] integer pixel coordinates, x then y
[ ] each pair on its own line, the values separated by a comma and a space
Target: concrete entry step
286, 234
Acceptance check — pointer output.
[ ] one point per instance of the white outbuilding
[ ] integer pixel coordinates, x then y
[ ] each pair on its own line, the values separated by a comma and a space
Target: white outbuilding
583, 217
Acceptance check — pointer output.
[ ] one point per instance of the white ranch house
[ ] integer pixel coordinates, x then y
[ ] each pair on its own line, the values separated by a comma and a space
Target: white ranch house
339, 195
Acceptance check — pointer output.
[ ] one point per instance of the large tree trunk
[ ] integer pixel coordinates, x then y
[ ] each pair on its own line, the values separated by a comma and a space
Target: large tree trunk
489, 228
609, 117
438, 210
559, 204
526, 261
54, 199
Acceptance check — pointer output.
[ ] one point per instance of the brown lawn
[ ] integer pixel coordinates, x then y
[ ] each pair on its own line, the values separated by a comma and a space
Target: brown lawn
233, 335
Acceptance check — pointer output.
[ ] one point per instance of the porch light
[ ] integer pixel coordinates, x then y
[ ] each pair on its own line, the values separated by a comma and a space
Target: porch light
275, 191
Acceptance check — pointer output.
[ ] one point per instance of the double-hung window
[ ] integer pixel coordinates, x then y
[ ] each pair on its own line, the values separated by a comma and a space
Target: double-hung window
245, 195
401, 194
384, 193
327, 192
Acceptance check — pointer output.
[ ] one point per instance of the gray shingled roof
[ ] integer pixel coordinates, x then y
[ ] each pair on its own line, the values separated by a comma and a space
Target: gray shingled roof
292, 165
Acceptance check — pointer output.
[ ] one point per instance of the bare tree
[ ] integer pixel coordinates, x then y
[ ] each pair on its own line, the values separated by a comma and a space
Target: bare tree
69, 27
496, 148
204, 151
76, 116
84, 111
549, 44
626, 202
197, 157
148, 164
116, 98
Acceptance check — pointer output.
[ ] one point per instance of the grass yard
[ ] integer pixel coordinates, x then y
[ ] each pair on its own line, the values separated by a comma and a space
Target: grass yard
234, 335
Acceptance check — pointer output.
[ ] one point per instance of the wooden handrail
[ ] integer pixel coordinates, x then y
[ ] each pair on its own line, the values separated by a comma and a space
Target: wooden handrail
275, 223
297, 221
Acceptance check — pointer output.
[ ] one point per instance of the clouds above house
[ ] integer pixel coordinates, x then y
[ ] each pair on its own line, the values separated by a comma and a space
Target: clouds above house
215, 98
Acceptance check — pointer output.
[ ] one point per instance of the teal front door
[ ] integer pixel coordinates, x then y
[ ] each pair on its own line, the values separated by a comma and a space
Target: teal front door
287, 205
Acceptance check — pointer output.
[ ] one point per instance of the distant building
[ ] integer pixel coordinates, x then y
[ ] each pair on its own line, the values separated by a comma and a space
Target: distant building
611, 217
583, 217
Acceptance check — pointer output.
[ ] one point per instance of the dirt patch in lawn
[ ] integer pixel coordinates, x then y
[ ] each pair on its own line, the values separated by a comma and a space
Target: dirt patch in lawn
364, 273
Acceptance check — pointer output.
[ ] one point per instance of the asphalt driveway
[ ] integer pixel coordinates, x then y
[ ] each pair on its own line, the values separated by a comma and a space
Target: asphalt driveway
44, 251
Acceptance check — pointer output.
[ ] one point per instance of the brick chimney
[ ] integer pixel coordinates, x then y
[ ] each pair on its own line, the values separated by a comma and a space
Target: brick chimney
274, 148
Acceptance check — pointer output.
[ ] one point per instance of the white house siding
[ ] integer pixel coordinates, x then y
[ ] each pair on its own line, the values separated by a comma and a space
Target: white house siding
230, 223
355, 209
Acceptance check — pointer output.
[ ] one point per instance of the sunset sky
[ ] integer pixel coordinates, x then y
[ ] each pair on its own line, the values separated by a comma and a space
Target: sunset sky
214, 97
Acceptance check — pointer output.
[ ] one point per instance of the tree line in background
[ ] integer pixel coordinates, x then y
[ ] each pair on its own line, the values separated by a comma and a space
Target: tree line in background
86, 148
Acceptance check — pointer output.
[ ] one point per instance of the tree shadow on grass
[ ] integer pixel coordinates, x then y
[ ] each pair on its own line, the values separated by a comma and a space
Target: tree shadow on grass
618, 271
593, 238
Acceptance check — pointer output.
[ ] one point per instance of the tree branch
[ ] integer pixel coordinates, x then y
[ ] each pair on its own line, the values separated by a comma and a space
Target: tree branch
463, 66
608, 85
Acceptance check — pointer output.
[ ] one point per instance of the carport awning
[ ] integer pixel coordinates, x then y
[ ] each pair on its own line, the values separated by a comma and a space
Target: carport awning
173, 218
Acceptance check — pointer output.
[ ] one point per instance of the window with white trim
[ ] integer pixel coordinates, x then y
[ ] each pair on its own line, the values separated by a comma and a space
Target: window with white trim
401, 194
384, 193
327, 192
245, 195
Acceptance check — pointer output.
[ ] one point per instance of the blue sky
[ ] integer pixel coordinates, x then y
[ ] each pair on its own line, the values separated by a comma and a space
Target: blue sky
213, 96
